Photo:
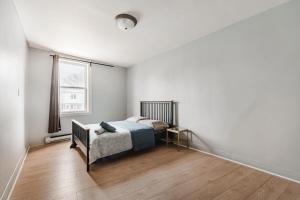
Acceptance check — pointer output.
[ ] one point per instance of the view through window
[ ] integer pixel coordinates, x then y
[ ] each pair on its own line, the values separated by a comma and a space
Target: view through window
73, 86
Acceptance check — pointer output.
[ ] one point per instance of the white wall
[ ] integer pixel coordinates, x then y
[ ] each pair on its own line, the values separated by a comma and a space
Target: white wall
13, 55
238, 89
108, 96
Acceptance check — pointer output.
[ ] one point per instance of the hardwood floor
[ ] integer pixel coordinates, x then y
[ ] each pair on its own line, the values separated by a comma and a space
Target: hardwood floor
57, 172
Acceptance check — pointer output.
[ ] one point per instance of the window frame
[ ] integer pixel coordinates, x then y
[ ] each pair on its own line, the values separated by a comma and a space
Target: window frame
87, 89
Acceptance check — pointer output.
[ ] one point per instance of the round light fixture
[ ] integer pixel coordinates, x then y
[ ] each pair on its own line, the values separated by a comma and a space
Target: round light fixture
126, 22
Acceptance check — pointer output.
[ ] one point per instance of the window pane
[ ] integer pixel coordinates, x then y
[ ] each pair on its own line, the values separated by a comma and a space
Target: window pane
72, 100
72, 74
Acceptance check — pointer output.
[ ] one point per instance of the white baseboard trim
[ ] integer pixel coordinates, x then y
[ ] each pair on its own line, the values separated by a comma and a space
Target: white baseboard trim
237, 162
32, 146
14, 177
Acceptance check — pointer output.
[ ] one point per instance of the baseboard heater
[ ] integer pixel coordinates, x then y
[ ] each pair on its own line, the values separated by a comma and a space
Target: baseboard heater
56, 138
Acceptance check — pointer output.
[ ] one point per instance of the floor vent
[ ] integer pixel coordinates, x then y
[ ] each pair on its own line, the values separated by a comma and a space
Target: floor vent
56, 138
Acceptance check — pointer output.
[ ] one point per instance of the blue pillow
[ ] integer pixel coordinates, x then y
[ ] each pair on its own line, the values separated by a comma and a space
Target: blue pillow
107, 127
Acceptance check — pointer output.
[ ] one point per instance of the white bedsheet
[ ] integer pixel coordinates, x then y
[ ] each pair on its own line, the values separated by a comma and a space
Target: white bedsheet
107, 144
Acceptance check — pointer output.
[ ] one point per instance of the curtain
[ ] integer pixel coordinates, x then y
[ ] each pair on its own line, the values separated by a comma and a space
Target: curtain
54, 113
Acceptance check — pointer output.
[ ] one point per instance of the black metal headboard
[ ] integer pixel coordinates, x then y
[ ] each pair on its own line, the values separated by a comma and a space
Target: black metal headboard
158, 110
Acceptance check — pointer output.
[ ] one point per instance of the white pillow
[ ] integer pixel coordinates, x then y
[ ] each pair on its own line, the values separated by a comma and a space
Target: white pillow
156, 124
99, 131
136, 118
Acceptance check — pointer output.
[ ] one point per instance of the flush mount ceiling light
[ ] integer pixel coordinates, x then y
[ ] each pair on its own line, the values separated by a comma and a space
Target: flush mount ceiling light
126, 22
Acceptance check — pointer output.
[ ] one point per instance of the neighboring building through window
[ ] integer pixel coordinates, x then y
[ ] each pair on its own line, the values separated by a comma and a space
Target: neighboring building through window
74, 91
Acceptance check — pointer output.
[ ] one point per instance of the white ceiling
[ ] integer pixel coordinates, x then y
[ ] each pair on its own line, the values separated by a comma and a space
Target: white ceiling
86, 28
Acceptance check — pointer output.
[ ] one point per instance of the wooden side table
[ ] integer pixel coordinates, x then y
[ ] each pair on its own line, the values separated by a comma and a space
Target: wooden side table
178, 131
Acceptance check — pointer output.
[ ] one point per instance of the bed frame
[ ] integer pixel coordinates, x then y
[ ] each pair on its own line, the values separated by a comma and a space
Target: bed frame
157, 110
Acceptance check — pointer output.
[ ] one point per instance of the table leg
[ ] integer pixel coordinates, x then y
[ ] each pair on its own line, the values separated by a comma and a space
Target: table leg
178, 138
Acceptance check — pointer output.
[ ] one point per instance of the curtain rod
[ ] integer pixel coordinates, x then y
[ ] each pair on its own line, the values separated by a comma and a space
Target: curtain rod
91, 62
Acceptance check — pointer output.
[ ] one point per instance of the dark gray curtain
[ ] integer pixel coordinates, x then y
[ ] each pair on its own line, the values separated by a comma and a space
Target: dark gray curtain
54, 113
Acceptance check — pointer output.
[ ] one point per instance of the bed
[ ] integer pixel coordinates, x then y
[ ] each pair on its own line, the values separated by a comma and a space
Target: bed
130, 135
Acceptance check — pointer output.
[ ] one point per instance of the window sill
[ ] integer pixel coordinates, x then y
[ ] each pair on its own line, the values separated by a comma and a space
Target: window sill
74, 114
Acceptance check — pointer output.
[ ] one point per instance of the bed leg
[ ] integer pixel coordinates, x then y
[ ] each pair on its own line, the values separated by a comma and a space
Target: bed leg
88, 151
87, 161
73, 145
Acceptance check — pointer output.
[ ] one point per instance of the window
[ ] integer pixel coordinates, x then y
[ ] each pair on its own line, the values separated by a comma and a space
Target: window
74, 87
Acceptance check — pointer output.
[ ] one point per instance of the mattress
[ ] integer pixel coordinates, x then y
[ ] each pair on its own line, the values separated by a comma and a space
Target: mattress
142, 136
107, 144
129, 135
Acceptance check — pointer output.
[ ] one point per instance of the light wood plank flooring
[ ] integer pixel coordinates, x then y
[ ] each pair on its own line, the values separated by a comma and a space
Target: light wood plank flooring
57, 172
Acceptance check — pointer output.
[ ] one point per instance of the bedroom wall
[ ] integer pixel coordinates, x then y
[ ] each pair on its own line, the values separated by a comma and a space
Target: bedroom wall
13, 56
108, 96
237, 89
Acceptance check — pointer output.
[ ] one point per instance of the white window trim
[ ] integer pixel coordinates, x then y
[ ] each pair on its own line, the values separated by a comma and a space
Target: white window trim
88, 96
